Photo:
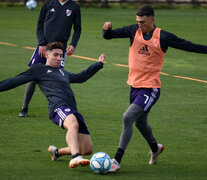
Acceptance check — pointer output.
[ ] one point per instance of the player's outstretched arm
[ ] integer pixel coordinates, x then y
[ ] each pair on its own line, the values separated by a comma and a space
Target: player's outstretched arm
89, 72
13, 82
31, 74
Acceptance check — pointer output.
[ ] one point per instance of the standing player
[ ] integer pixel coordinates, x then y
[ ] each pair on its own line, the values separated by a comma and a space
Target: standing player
54, 82
148, 45
55, 22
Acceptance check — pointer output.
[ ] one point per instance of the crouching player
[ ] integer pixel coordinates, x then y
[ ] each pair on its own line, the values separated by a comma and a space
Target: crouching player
55, 84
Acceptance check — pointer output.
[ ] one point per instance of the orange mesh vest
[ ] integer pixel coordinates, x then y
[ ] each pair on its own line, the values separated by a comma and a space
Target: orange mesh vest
145, 61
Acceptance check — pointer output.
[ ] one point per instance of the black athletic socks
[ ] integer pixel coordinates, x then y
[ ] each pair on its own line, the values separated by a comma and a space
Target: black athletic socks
119, 154
76, 155
153, 146
56, 153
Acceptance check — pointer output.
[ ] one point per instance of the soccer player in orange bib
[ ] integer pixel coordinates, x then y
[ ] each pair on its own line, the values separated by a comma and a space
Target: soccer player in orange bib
148, 45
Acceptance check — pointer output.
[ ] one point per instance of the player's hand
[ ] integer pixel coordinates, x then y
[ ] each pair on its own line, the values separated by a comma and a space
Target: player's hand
102, 58
107, 25
70, 50
42, 50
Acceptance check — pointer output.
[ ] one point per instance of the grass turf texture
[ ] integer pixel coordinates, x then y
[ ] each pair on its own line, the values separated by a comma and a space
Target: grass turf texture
178, 119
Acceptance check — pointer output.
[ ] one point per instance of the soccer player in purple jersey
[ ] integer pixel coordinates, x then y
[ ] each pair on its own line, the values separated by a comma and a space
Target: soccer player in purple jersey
54, 82
55, 22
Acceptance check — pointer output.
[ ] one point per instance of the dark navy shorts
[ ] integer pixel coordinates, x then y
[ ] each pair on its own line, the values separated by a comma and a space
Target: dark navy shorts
36, 58
58, 116
144, 97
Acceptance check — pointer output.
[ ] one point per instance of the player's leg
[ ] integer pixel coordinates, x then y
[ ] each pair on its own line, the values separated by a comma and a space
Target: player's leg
85, 146
74, 124
146, 99
141, 100
29, 91
72, 127
146, 131
132, 113
67, 122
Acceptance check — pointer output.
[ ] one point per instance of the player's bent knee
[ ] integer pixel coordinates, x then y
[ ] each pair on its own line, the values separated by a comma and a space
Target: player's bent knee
126, 119
87, 150
85, 144
141, 122
74, 125
138, 124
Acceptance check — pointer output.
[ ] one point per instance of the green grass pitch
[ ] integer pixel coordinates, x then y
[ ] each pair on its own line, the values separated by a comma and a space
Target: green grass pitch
179, 119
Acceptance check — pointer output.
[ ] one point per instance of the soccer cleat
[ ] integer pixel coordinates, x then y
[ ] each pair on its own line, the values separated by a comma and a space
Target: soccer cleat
115, 166
78, 161
154, 156
52, 150
23, 112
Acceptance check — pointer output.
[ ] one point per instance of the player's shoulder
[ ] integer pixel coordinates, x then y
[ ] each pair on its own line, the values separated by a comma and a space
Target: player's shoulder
166, 35
135, 27
38, 68
132, 27
47, 2
50, 3
163, 32
75, 3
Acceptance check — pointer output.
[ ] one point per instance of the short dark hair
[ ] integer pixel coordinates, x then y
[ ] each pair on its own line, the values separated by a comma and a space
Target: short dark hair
145, 10
54, 45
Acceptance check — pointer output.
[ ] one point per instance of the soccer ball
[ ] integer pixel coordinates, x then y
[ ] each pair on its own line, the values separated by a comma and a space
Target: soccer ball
100, 163
31, 4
